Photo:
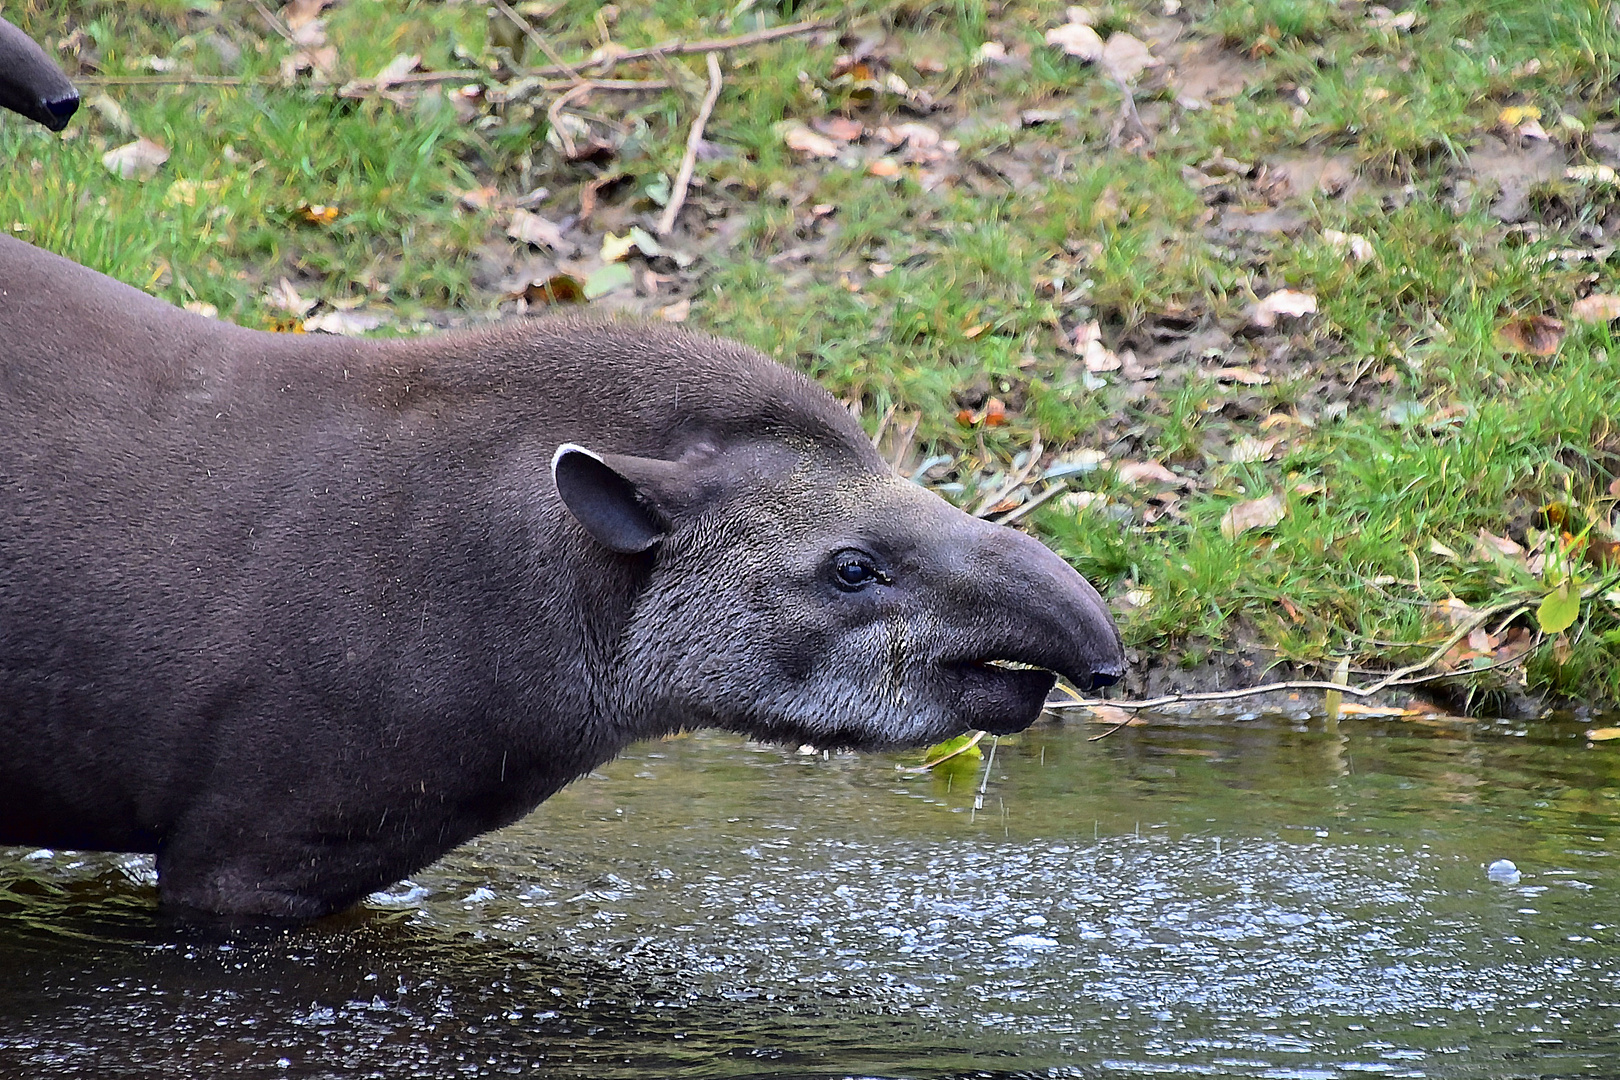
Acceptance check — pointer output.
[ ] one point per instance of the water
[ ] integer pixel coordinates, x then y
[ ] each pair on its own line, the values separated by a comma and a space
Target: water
1224, 896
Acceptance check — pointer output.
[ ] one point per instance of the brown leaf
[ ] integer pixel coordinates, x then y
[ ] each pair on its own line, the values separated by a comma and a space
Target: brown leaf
1358, 247
1125, 57
557, 289
139, 160
530, 228
1284, 303
1253, 514
285, 296
841, 128
1604, 554
295, 13
346, 323
396, 69
1078, 40
317, 213
1088, 343
1537, 335
1146, 472
1603, 734
1599, 307
1113, 714
1246, 376
807, 142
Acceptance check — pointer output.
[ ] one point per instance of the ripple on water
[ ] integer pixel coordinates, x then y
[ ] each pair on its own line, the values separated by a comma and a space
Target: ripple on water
1198, 897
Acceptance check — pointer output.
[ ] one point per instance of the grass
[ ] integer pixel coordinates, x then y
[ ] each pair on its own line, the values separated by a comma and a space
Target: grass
1405, 422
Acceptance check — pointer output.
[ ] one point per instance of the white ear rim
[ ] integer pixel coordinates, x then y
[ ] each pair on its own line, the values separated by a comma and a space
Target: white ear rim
572, 448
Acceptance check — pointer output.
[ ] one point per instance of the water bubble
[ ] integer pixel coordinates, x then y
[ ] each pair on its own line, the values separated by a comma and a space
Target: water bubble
1503, 872
1031, 942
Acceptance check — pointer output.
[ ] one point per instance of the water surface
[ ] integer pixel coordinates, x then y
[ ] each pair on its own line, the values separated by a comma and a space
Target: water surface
1215, 896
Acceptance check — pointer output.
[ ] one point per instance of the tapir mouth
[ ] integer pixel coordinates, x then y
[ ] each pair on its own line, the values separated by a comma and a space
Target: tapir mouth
999, 696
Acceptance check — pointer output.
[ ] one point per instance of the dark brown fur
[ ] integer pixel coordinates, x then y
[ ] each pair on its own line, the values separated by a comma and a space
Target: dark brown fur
300, 614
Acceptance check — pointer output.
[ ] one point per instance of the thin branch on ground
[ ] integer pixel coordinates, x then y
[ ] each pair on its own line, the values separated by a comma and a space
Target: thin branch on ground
538, 38
1404, 676
683, 178
554, 110
677, 47
273, 21
991, 501
1040, 500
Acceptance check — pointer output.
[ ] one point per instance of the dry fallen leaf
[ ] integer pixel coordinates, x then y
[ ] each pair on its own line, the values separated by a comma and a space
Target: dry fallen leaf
1253, 514
284, 296
1246, 376
1113, 714
321, 63
1145, 472
1375, 711
1249, 449
1078, 40
295, 13
676, 312
557, 289
800, 138
1514, 115
841, 128
479, 198
1538, 335
1599, 307
1358, 247
1603, 734
1382, 18
1088, 343
317, 213
1125, 57
1592, 174
1283, 303
347, 323
139, 160
396, 69
884, 168
530, 228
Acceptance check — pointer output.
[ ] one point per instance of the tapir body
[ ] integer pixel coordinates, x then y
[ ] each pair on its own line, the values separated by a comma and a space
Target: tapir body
299, 614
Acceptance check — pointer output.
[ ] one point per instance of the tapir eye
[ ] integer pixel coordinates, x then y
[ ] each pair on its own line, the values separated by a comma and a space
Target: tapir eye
856, 570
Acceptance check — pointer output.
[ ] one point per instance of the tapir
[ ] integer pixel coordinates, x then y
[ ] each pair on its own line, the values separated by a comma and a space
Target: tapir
31, 84
299, 614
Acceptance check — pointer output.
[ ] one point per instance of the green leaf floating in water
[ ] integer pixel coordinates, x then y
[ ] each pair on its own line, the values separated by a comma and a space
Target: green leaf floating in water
1559, 609
963, 746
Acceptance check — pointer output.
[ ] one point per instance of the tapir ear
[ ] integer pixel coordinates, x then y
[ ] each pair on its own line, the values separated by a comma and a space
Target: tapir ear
611, 507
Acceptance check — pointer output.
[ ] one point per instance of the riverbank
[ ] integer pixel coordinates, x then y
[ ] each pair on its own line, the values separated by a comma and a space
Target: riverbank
1286, 321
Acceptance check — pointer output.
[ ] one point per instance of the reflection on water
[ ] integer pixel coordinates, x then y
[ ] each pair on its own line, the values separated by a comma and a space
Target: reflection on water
1215, 897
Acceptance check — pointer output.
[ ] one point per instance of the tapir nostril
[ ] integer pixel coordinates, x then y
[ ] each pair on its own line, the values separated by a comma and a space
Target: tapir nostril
1100, 679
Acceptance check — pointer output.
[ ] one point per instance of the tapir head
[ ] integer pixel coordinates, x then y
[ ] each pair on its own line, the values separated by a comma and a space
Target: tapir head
805, 597
31, 84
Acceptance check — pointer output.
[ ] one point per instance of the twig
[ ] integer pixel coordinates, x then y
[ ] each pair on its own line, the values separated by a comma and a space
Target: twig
683, 178
274, 22
1018, 512
171, 80
360, 86
677, 47
554, 110
1405, 676
535, 36
937, 762
990, 502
